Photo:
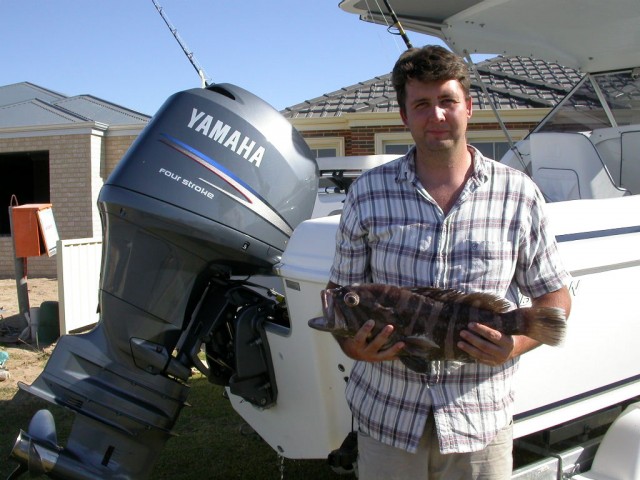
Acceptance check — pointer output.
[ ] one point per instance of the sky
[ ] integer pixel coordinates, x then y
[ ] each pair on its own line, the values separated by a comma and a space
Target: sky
284, 51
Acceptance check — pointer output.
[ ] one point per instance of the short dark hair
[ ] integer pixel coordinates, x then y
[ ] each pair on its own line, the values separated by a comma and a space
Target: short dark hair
431, 63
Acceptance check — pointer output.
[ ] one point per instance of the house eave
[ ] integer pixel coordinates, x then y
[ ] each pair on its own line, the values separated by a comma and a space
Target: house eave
371, 119
80, 128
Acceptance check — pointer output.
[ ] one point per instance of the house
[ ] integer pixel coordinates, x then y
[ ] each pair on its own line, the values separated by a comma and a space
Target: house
59, 150
363, 119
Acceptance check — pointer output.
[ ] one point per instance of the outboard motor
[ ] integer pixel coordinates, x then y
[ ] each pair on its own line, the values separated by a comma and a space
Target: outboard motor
208, 194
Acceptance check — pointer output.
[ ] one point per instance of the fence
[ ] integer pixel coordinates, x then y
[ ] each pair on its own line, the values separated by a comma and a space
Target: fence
78, 282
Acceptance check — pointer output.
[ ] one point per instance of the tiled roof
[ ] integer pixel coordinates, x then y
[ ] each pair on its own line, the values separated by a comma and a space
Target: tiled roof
25, 104
515, 82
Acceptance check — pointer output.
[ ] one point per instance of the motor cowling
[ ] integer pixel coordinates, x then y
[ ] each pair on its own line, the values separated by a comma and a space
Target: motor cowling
228, 156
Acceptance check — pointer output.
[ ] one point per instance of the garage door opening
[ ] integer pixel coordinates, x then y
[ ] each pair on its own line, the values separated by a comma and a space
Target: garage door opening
25, 175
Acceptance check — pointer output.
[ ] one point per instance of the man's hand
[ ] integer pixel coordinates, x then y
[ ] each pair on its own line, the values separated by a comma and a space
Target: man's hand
487, 345
360, 348
493, 348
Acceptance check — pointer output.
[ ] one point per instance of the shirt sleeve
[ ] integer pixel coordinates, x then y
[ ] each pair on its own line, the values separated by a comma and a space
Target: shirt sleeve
351, 259
540, 269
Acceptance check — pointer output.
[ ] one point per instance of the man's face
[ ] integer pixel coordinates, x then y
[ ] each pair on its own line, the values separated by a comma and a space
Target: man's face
436, 113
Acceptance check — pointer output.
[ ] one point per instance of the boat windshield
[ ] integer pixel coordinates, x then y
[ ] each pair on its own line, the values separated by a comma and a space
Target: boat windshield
599, 101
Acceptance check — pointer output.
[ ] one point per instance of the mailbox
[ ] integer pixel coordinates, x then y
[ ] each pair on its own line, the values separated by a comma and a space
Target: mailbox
34, 230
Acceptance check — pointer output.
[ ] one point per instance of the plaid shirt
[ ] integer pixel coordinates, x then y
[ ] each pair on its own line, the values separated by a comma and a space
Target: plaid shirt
494, 239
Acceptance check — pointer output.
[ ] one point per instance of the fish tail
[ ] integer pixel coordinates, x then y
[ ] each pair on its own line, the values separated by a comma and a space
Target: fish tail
547, 325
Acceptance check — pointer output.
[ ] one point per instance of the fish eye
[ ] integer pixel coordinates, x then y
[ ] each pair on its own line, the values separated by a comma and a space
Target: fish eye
351, 299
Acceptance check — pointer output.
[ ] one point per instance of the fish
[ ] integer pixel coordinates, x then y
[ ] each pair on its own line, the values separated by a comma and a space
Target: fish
429, 320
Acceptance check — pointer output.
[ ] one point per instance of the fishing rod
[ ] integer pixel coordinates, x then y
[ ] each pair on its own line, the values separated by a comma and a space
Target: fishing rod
398, 25
185, 49
512, 145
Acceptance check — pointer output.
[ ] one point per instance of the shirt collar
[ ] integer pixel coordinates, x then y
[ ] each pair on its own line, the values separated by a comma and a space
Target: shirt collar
407, 166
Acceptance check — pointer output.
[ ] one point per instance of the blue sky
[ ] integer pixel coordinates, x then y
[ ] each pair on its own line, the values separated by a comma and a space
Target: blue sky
285, 51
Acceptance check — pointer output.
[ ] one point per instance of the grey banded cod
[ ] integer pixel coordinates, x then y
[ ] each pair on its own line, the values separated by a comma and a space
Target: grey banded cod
429, 320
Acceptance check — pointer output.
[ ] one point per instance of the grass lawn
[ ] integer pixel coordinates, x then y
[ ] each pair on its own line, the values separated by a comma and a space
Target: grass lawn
213, 442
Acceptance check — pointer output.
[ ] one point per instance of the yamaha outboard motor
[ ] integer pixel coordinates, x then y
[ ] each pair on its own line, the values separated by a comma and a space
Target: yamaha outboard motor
206, 197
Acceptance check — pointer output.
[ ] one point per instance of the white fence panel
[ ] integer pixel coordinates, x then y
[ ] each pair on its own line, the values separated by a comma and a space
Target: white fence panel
78, 282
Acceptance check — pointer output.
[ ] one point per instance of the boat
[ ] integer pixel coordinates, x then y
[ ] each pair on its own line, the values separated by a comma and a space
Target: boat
584, 157
208, 265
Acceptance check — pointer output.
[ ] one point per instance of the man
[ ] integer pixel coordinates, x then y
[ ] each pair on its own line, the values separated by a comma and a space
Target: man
443, 216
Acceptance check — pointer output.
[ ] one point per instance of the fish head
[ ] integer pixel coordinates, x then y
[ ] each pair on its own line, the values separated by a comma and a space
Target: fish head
332, 319
346, 309
338, 314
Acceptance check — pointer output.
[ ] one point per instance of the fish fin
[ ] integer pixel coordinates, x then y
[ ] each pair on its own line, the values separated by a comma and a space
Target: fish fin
440, 294
419, 345
417, 364
546, 324
480, 300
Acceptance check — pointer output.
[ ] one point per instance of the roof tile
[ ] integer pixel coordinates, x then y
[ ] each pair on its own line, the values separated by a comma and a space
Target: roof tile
512, 82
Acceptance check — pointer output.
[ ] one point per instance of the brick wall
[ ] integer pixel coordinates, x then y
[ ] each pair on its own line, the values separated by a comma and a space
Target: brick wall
116, 147
361, 140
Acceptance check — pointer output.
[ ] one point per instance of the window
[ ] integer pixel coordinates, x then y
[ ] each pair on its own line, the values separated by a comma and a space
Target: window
393, 143
397, 148
493, 143
494, 150
25, 175
324, 152
326, 146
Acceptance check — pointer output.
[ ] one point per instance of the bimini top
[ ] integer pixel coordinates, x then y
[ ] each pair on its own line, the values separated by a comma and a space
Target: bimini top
590, 35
